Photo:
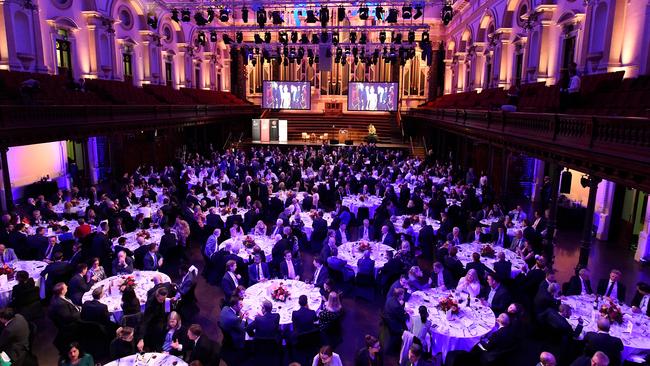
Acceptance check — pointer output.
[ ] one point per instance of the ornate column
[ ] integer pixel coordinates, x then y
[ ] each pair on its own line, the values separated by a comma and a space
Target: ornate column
94, 22
643, 249
546, 44
156, 72
604, 202
478, 64
39, 61
587, 228
551, 212
6, 179
502, 59
145, 43
179, 70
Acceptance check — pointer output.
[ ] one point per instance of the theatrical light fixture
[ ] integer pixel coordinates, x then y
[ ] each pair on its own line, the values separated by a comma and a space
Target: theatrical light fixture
324, 37
341, 14
201, 39
226, 38
363, 12
382, 37
175, 15
304, 39
335, 38
418, 12
407, 12
244, 14
379, 12
200, 19
324, 16
277, 17
314, 38
353, 37
363, 39
316, 59
261, 17
267, 37
392, 16
186, 16
210, 12
214, 38
355, 51
397, 38
311, 18
447, 13
223, 15
283, 37
257, 38
254, 61
425, 36
294, 37
411, 36
239, 36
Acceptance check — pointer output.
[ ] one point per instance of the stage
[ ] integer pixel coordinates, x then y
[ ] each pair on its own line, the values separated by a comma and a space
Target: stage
311, 143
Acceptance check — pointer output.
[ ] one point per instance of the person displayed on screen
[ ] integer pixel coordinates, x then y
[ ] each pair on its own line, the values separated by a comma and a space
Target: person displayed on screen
381, 93
372, 99
285, 97
391, 98
295, 100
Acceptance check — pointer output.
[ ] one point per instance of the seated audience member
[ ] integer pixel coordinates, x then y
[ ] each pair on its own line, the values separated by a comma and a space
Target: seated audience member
477, 236
370, 354
441, 278
603, 341
130, 302
232, 324
478, 266
152, 261
498, 297
266, 325
501, 238
547, 359
321, 274
502, 267
641, 299
79, 284
231, 280
123, 344
7, 255
25, 296
76, 357
290, 268
470, 284
201, 348
611, 287
580, 284
327, 357
14, 336
94, 311
497, 343
304, 319
63, 311
122, 265
258, 271
175, 337
415, 357
547, 298
598, 359
558, 324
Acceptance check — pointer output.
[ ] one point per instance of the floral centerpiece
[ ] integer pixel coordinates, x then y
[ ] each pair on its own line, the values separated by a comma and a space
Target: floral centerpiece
226, 210
362, 198
487, 251
249, 242
364, 245
6, 270
612, 312
415, 219
280, 293
447, 304
144, 233
127, 282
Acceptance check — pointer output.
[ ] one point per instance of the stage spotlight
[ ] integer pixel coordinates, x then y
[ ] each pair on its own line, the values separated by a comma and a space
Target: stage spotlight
310, 60
304, 39
392, 16
363, 12
324, 37
397, 38
379, 12
244, 14
267, 37
341, 14
316, 59
363, 39
285, 62
223, 15
277, 17
226, 38
214, 37
254, 61
239, 37
355, 51
407, 12
314, 38
175, 15
301, 53
411, 36
324, 16
294, 37
418, 12
311, 18
201, 39
335, 38
382, 37
283, 37
200, 19
261, 17
447, 13
353, 37
210, 12
425, 36
257, 39
186, 15
310, 53
343, 61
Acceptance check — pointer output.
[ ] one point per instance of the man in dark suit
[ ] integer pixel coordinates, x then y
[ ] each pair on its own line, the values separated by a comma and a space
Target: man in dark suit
366, 231
122, 265
502, 267
580, 284
539, 223
25, 297
290, 268
454, 265
366, 265
232, 326
303, 319
258, 271
140, 252
557, 324
167, 242
62, 311
480, 268
641, 300
267, 325
441, 277
319, 231
234, 218
426, 240
342, 235
604, 342
415, 357
78, 285
94, 310
213, 220
152, 261
231, 280
500, 238
320, 272
612, 287
498, 298
547, 298
202, 348
14, 338
100, 245
57, 271
394, 312
387, 238
498, 342
477, 236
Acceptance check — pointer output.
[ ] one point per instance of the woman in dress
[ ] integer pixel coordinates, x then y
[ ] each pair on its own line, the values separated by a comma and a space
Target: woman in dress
470, 283
260, 228
370, 355
327, 357
421, 327
331, 312
75, 357
96, 272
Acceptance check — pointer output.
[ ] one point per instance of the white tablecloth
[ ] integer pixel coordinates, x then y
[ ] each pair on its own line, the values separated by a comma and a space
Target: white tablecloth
350, 253
463, 330
465, 255
34, 268
510, 231
80, 209
131, 238
308, 227
264, 242
354, 202
282, 195
259, 292
148, 359
138, 192
144, 281
71, 224
134, 210
398, 221
635, 343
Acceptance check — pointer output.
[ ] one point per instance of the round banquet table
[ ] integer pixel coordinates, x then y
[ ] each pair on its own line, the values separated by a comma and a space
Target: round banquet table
224, 216
635, 343
282, 196
463, 330
256, 294
138, 191
306, 219
34, 268
71, 224
465, 255
353, 202
350, 253
510, 231
80, 208
131, 238
144, 281
134, 210
398, 221
149, 359
266, 243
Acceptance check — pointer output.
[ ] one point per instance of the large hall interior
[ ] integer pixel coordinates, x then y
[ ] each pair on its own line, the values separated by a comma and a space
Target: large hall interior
324, 183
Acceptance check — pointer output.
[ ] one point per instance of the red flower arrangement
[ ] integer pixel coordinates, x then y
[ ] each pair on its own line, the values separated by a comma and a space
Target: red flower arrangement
226, 210
612, 312
415, 219
362, 198
280, 294
487, 251
127, 282
144, 233
249, 242
448, 304
363, 246
6, 270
